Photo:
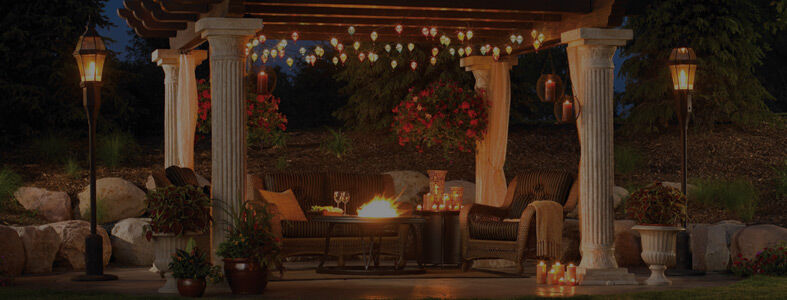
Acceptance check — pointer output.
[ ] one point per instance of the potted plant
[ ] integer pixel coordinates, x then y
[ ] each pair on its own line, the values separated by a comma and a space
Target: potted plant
250, 249
176, 212
659, 211
191, 267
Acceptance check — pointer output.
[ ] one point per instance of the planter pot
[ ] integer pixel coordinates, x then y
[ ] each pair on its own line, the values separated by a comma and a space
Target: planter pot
164, 246
658, 250
188, 287
244, 276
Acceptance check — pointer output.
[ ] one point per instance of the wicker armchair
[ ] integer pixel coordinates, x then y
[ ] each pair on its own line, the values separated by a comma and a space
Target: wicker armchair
488, 232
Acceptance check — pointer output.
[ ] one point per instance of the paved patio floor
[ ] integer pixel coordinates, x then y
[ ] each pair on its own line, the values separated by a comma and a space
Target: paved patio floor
304, 283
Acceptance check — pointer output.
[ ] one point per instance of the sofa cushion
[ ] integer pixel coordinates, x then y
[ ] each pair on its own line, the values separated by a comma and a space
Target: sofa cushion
309, 188
181, 176
498, 231
286, 203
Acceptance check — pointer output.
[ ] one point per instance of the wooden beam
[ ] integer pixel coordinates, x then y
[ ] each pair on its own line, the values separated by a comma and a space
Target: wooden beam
160, 15
144, 16
382, 25
172, 6
568, 6
140, 29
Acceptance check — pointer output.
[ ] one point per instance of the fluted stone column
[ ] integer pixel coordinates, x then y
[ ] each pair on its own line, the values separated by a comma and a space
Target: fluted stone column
167, 59
494, 78
187, 107
590, 52
227, 38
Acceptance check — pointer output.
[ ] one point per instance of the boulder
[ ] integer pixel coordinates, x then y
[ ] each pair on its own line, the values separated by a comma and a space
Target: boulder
150, 184
751, 240
12, 252
409, 184
129, 245
52, 206
628, 246
468, 196
116, 199
71, 253
41, 244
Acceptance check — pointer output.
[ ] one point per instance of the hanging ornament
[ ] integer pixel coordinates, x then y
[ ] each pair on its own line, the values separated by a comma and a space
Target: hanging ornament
536, 44
319, 51
340, 47
262, 38
461, 51
534, 34
274, 53
387, 48
541, 37
433, 32
334, 42
394, 64
469, 50
255, 42
399, 28
335, 60
281, 54
461, 36
373, 57
254, 56
549, 86
343, 57
452, 51
433, 60
512, 38
373, 35
410, 46
483, 50
425, 31
264, 58
351, 30
496, 51
266, 52
289, 62
361, 56
509, 49
399, 47
519, 39
356, 45
302, 51
295, 36
469, 35
413, 65
435, 51
283, 43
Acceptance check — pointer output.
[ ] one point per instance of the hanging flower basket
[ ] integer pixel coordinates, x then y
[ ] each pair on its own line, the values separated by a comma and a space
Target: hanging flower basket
442, 115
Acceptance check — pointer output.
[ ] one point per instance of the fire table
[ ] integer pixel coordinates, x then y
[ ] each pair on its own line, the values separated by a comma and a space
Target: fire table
371, 233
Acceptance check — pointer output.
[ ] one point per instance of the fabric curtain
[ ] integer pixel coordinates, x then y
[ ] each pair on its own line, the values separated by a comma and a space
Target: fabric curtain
490, 180
186, 110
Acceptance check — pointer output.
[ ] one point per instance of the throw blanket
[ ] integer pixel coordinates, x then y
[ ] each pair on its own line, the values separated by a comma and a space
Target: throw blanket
549, 227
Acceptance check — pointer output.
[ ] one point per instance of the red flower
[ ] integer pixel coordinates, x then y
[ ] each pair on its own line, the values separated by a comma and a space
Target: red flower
206, 94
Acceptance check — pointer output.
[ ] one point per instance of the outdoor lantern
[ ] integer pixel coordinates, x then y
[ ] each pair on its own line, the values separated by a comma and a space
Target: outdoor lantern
90, 54
549, 88
683, 66
567, 110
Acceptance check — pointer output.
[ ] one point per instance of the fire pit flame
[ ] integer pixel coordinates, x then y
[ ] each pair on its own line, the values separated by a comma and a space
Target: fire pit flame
379, 207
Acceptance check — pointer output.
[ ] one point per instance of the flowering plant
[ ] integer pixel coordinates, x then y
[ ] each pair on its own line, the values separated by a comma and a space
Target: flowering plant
250, 235
657, 205
769, 261
442, 115
192, 263
264, 123
177, 209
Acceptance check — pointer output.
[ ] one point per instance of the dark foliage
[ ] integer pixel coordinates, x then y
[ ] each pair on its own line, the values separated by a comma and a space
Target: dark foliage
177, 210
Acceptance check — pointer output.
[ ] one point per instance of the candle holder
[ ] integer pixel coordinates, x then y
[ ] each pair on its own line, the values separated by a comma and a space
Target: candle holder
437, 181
550, 88
568, 110
266, 79
457, 193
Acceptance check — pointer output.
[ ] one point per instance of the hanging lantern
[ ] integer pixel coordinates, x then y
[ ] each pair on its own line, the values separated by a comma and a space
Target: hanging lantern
343, 57
373, 35
289, 62
357, 45
361, 56
399, 28
340, 47
399, 47
425, 31
433, 32
319, 51
266, 80
410, 46
433, 60
683, 66
509, 49
461, 51
351, 30
461, 36
541, 37
469, 35
519, 39
334, 42
413, 65
255, 42
549, 88
274, 53
387, 48
512, 38
302, 51
568, 110
254, 56
468, 50
262, 38
281, 54
452, 51
335, 60
394, 64
295, 36
435, 51
534, 34
373, 57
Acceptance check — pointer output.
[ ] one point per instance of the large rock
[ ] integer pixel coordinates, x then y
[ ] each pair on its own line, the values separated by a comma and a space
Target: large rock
710, 244
628, 246
41, 244
468, 196
129, 245
12, 252
71, 253
52, 206
116, 199
751, 240
409, 184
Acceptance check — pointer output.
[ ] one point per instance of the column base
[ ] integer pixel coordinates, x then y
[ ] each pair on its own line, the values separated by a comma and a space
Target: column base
613, 276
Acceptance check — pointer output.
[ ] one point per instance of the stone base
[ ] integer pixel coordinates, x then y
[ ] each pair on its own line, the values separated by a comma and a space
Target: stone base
617, 276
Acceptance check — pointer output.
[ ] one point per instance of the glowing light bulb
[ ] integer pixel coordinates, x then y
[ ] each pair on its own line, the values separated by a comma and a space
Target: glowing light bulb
433, 31
265, 52
509, 49
461, 36
435, 51
394, 64
373, 57
399, 28
319, 51
534, 34
387, 48
255, 42
351, 30
373, 35
281, 54
283, 43
356, 45
264, 59
410, 46
295, 36
683, 80
254, 57
469, 50
262, 38
541, 37
90, 71
433, 60
425, 31
399, 47
512, 38
461, 51
496, 51
413, 65
340, 47
452, 51
334, 42
274, 53
302, 51
469, 35
335, 60
343, 57
289, 62
519, 39
361, 56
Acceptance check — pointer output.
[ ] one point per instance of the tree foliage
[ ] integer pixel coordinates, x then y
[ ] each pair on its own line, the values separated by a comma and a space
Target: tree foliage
728, 37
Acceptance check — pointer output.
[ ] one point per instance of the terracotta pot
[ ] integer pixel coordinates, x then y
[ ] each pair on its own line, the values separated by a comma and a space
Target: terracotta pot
188, 287
244, 276
658, 250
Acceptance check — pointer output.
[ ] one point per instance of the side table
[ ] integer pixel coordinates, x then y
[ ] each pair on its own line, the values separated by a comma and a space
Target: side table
441, 238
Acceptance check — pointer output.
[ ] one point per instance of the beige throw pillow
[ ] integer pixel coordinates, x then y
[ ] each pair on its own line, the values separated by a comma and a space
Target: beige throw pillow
288, 206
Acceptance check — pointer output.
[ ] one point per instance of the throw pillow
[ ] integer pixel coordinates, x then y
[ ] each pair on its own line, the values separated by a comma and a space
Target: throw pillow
288, 206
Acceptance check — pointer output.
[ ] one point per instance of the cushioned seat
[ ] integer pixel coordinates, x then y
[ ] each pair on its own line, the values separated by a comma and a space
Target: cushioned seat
497, 231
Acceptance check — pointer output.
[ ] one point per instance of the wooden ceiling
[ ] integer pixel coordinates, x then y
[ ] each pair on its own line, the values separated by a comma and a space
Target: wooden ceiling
492, 21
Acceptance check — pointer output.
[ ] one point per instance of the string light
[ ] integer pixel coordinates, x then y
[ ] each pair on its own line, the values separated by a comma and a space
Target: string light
274, 53
351, 30
495, 51
509, 49
262, 38
343, 57
452, 51
319, 51
469, 50
266, 52
335, 60
483, 50
264, 58
433, 32
399, 47
512, 38
334, 42
433, 60
302, 51
373, 57
254, 56
295, 36
435, 51
281, 54
461, 51
534, 34
340, 47
373, 35
387, 48
289, 62
425, 31
469, 35
410, 46
413, 65
461, 36
361, 56
283, 43
394, 64
356, 45
541, 37
255, 42
399, 28
519, 39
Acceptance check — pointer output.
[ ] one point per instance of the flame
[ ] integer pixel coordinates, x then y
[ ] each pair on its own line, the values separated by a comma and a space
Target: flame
379, 207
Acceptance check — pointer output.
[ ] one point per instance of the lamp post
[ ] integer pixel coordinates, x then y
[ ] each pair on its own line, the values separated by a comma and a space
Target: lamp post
90, 54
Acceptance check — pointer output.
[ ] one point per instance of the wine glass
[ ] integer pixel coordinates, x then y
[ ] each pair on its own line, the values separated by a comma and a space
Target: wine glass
337, 197
345, 200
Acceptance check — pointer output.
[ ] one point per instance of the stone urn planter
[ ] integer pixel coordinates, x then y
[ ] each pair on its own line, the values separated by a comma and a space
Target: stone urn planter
658, 250
164, 245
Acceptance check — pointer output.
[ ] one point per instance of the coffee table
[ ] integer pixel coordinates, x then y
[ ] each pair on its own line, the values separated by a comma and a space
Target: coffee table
371, 234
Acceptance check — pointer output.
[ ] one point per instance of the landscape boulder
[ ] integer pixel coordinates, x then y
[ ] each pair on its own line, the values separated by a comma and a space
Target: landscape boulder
12, 252
468, 196
710, 244
750, 240
116, 199
51, 205
41, 244
71, 253
129, 245
409, 184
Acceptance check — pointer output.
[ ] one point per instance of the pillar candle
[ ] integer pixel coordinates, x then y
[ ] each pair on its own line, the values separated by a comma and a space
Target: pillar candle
559, 271
571, 272
427, 201
549, 90
419, 207
541, 272
262, 83
568, 111
561, 281
551, 277
571, 282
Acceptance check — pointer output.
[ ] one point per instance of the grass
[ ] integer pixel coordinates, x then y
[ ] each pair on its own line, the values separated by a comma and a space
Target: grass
737, 196
627, 159
72, 168
338, 144
758, 287
115, 148
11, 211
52, 148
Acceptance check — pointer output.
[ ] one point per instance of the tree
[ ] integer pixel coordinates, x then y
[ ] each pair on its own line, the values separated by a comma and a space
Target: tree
728, 39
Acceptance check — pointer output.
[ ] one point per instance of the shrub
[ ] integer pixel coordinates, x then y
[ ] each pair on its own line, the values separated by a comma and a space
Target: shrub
52, 148
338, 144
250, 235
115, 148
193, 263
177, 209
657, 205
72, 168
627, 159
9, 183
770, 261
737, 196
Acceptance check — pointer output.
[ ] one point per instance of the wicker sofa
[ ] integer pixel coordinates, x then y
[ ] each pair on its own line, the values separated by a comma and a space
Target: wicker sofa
308, 238
488, 232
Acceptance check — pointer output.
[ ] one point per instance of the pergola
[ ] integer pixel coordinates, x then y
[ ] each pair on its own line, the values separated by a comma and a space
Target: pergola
586, 26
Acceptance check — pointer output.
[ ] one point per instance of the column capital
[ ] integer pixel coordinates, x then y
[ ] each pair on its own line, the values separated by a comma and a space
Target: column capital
596, 36
208, 27
478, 62
165, 57
199, 56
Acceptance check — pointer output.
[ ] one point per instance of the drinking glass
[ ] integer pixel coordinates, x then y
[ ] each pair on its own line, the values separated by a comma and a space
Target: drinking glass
345, 200
337, 197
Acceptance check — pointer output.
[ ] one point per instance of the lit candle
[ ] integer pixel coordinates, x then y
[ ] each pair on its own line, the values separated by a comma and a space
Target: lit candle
571, 282
549, 90
427, 200
434, 207
561, 281
558, 268
541, 272
262, 83
571, 272
419, 207
568, 110
551, 277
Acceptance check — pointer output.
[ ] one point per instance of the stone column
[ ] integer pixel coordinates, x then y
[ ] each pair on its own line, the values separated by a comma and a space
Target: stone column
227, 38
187, 105
590, 52
167, 59
494, 78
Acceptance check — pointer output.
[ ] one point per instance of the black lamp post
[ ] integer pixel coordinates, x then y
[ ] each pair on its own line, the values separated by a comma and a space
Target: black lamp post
90, 54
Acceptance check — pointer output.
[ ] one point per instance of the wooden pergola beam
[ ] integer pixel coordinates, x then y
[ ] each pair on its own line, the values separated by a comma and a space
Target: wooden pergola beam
140, 29
570, 6
143, 14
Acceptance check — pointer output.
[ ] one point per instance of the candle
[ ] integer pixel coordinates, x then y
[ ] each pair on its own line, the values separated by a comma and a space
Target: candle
541, 272
549, 90
551, 277
262, 83
561, 281
558, 268
571, 272
434, 207
427, 200
419, 207
571, 282
568, 111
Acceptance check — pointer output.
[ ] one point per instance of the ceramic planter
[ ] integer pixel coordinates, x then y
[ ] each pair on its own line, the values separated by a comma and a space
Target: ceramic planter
244, 276
658, 250
188, 287
164, 245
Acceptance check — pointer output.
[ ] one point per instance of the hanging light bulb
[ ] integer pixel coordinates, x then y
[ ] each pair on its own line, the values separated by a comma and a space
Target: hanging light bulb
334, 42
519, 39
536, 44
356, 45
264, 59
283, 43
373, 35
399, 47
351, 30
262, 38
399, 28
335, 60
343, 57
447, 41
410, 46
435, 51
254, 56
469, 35
312, 59
433, 31
340, 47
266, 52
452, 51
509, 49
496, 56
394, 64
361, 56
255, 42
496, 51
373, 57
541, 37
295, 36
319, 51
413, 65
461, 36
433, 60
425, 31
469, 50
274, 53
387, 48
461, 51
302, 51
483, 50
512, 38
289, 62
534, 34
